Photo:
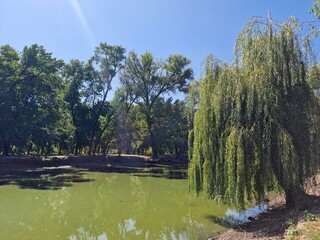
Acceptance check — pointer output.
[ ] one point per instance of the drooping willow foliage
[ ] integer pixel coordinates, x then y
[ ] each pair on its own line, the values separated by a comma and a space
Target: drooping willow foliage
256, 127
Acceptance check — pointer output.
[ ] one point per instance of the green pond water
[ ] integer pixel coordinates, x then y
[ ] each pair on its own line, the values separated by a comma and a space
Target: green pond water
103, 206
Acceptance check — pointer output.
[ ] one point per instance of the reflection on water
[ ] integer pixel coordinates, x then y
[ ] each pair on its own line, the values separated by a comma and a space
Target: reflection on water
109, 206
233, 217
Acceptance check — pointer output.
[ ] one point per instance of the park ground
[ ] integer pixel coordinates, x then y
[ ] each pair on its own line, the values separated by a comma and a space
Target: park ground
281, 223
276, 223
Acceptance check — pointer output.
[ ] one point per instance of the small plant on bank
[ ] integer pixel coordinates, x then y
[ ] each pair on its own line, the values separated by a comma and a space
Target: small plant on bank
292, 230
309, 216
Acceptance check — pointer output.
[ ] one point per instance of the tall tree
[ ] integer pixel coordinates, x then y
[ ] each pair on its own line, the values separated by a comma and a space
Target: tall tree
256, 126
74, 75
146, 80
171, 126
123, 103
110, 60
10, 69
29, 96
89, 86
192, 100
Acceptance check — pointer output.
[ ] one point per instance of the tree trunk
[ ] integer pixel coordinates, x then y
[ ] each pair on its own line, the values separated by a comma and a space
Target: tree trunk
29, 149
295, 198
6, 149
95, 147
153, 146
60, 148
91, 144
290, 199
152, 138
76, 149
176, 149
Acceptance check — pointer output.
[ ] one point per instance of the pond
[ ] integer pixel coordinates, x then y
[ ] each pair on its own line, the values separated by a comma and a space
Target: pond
89, 205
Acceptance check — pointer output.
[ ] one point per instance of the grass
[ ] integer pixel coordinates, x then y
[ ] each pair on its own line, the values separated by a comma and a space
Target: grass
312, 230
309, 228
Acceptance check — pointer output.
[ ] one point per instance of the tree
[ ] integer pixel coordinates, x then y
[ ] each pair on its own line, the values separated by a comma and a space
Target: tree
88, 87
122, 103
29, 97
171, 126
110, 60
74, 75
192, 100
256, 127
137, 124
314, 79
146, 79
9, 72
316, 8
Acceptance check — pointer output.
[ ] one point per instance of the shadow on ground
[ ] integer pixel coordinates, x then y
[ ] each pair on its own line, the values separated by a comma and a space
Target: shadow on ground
54, 173
135, 165
53, 179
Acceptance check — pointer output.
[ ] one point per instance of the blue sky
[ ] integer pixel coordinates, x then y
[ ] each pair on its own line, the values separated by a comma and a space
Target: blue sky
72, 28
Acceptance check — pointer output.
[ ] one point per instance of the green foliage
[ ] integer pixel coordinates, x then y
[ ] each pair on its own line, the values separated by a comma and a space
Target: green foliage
292, 230
314, 79
146, 80
316, 8
88, 85
47, 105
192, 100
256, 124
309, 216
29, 97
170, 125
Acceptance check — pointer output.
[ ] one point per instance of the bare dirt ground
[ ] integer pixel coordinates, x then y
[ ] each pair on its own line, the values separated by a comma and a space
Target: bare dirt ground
55, 172
110, 163
280, 223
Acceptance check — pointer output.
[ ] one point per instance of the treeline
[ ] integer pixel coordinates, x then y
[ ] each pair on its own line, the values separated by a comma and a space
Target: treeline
51, 107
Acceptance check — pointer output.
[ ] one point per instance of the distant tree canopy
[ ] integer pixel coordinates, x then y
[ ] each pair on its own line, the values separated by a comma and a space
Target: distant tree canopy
29, 97
88, 87
47, 106
146, 80
257, 124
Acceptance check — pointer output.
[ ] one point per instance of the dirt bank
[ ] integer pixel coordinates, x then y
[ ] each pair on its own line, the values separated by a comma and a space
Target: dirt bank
280, 223
99, 163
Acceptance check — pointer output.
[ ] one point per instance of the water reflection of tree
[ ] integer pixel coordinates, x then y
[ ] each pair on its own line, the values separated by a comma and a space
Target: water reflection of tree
120, 206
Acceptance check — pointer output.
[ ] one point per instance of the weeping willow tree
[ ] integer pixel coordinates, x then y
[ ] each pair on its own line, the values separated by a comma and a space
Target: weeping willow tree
256, 127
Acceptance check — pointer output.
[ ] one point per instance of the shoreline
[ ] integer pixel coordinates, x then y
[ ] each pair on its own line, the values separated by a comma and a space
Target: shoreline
276, 222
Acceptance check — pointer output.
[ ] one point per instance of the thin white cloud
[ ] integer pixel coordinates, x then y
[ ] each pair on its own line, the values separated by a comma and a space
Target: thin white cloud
77, 8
